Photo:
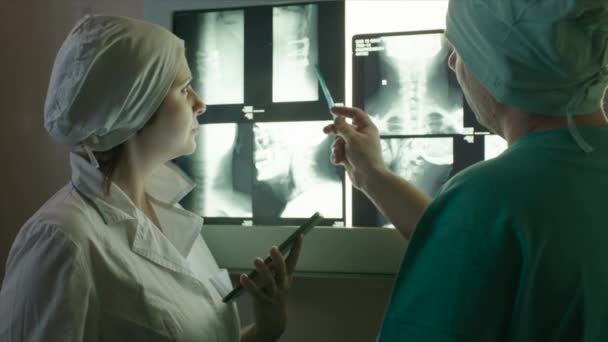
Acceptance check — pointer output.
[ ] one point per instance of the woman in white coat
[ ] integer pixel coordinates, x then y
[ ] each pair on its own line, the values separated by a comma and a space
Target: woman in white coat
112, 256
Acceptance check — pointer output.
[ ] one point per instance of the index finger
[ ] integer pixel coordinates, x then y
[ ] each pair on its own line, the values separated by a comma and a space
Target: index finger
360, 118
278, 263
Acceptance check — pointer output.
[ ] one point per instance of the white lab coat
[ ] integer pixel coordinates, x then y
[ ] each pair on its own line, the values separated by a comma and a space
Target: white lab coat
91, 268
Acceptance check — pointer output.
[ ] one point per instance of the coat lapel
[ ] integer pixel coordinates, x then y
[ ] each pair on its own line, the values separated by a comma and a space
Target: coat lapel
167, 186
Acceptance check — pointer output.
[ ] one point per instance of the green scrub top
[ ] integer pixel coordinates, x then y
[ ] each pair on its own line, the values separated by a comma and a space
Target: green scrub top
513, 249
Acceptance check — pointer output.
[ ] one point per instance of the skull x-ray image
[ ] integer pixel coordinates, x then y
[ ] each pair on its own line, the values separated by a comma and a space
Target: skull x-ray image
413, 92
216, 193
219, 57
494, 145
424, 162
294, 53
293, 173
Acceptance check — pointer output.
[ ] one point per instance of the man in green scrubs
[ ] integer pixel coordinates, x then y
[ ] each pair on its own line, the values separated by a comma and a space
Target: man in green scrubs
514, 248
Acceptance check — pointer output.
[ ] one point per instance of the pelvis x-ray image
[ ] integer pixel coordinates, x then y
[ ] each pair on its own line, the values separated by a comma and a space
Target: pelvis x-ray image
294, 53
219, 57
294, 175
417, 93
494, 145
424, 162
213, 170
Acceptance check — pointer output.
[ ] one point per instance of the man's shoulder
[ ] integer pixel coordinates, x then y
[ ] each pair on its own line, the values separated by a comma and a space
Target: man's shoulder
491, 175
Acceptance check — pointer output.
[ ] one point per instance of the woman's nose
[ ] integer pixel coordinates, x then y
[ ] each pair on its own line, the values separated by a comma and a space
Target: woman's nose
199, 107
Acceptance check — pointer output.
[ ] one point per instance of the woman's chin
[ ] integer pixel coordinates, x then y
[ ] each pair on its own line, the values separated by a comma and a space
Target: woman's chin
191, 149
188, 149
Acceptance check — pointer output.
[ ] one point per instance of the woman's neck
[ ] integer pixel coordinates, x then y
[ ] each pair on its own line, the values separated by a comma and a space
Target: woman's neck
130, 175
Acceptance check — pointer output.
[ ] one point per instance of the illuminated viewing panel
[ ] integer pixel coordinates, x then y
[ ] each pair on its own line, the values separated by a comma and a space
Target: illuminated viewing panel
262, 158
428, 132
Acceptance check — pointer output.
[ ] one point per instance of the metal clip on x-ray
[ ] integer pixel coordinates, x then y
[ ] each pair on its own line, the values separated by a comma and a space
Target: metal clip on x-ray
326, 93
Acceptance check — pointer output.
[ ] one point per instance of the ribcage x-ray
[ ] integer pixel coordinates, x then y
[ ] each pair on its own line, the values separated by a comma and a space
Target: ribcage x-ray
219, 56
293, 173
409, 89
294, 53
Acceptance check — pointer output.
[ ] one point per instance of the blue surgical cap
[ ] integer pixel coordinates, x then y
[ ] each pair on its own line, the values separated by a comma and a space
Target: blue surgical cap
110, 75
547, 57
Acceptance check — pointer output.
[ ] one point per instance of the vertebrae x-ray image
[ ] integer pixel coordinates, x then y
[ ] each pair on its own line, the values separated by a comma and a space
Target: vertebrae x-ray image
294, 175
415, 92
424, 162
212, 168
294, 53
494, 145
218, 63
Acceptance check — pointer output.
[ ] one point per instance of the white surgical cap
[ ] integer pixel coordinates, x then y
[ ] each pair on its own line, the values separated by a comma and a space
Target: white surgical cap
110, 75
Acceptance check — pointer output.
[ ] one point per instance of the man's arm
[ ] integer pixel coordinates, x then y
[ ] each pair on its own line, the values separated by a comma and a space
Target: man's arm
400, 201
357, 148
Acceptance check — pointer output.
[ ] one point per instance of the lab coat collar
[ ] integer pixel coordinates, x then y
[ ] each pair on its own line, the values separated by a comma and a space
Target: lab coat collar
166, 186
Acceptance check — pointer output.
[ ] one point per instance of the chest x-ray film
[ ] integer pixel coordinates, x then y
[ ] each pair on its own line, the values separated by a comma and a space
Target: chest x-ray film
294, 53
293, 172
215, 51
494, 145
403, 81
